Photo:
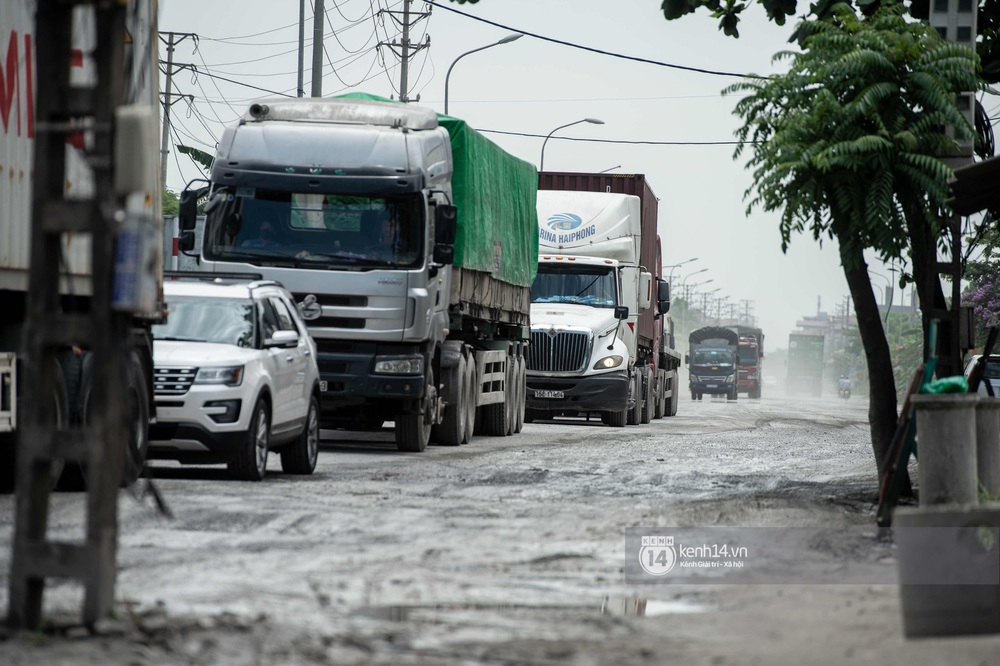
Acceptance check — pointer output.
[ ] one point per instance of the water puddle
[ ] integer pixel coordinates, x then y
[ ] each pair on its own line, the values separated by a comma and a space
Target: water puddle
609, 605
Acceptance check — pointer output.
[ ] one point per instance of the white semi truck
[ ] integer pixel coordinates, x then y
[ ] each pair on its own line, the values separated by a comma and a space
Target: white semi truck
586, 302
410, 242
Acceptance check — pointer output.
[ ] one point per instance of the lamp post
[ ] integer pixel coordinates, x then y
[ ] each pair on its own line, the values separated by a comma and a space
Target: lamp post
684, 281
670, 275
506, 40
593, 121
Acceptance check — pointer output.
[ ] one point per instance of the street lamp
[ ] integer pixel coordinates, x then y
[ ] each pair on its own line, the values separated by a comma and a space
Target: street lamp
506, 40
670, 276
593, 121
684, 281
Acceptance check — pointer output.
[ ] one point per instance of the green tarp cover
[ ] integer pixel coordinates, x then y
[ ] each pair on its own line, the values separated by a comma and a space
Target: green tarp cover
495, 195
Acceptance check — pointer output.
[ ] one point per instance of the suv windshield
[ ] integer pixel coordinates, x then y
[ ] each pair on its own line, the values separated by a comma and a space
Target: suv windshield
271, 227
221, 320
583, 285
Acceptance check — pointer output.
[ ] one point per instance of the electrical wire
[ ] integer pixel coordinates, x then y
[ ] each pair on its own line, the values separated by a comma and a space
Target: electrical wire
685, 68
256, 34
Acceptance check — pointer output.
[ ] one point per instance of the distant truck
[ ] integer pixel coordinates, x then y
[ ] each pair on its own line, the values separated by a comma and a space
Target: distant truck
410, 242
712, 362
805, 364
138, 202
750, 369
599, 341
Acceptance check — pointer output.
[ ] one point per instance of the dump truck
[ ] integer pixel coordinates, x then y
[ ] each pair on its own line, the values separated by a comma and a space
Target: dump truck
137, 251
410, 243
750, 364
712, 362
601, 334
805, 364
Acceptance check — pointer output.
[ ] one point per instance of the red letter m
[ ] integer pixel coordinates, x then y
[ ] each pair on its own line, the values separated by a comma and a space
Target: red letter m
10, 85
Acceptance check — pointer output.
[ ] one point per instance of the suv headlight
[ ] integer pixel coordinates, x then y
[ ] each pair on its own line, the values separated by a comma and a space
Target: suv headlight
399, 365
608, 362
230, 375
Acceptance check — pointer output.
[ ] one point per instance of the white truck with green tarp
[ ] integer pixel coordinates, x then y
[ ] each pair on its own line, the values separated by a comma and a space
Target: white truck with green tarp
410, 242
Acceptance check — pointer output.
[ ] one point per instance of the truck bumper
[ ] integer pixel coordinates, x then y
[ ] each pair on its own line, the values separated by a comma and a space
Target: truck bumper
711, 388
347, 376
599, 393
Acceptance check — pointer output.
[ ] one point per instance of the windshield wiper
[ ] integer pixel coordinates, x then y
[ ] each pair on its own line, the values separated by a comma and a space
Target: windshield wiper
174, 338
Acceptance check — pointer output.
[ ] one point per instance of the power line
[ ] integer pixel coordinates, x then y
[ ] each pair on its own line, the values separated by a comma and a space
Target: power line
617, 141
685, 68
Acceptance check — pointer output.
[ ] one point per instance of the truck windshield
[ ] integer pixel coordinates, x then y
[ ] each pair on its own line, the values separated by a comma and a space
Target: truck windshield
713, 357
223, 320
583, 285
269, 227
748, 356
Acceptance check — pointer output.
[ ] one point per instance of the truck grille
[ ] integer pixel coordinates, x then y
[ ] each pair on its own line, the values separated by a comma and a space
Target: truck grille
565, 351
173, 381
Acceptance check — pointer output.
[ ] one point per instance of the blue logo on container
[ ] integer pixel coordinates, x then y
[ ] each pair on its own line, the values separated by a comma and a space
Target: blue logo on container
564, 221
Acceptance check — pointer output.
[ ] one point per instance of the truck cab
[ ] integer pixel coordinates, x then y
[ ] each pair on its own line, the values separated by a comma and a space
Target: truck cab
712, 361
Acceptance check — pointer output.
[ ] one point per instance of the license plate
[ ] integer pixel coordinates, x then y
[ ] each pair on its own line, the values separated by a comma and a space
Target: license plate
322, 386
711, 386
549, 394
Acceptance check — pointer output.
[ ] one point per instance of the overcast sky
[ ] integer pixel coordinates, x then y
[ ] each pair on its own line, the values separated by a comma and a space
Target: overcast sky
531, 86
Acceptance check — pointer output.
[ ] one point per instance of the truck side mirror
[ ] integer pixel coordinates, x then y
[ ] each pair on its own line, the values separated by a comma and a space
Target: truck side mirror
687, 359
663, 296
185, 241
444, 254
445, 224
188, 211
621, 312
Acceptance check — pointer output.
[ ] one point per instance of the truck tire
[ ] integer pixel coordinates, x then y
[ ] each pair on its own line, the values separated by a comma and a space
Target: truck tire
412, 431
660, 400
496, 416
251, 463
300, 456
634, 414
451, 431
615, 419
522, 390
472, 394
8, 441
648, 395
671, 408
734, 394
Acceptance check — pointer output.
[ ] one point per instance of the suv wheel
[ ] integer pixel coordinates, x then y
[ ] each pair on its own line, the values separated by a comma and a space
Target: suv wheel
300, 456
251, 463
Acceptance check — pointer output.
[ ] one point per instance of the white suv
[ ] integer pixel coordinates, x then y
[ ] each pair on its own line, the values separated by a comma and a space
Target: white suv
235, 377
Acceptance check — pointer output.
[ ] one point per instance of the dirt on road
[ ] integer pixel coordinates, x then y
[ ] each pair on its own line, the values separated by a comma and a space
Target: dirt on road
514, 550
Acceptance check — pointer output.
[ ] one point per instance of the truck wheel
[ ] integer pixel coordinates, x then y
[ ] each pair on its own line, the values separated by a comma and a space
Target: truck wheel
496, 416
734, 394
522, 390
251, 463
509, 396
671, 408
648, 395
413, 431
635, 413
616, 419
451, 431
659, 399
472, 395
694, 396
300, 456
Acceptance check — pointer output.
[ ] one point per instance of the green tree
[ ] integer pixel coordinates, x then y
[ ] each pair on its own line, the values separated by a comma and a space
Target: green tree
844, 146
171, 202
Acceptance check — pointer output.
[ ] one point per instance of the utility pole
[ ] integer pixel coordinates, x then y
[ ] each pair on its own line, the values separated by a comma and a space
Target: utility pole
317, 64
173, 38
301, 88
403, 48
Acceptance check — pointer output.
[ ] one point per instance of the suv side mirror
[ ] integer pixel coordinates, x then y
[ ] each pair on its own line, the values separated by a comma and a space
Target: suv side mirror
621, 312
445, 224
283, 339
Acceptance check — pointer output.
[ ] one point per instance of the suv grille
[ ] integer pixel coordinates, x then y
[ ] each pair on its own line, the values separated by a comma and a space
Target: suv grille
173, 381
566, 351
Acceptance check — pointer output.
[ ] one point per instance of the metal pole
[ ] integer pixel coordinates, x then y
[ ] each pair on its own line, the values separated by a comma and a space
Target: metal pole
302, 48
405, 46
165, 136
317, 54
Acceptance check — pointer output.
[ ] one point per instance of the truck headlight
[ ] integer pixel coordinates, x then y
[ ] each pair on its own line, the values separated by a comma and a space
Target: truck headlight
230, 376
399, 365
608, 362
731, 378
